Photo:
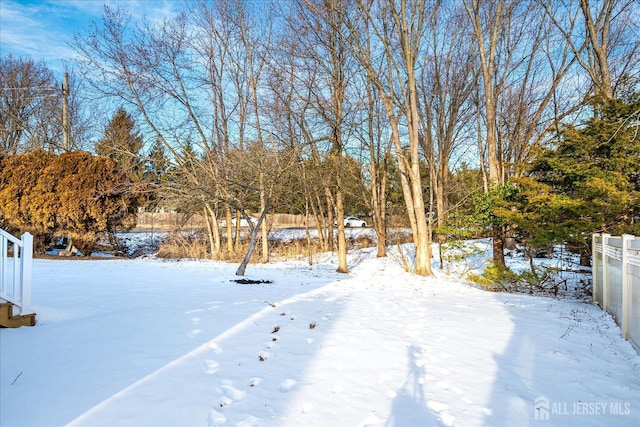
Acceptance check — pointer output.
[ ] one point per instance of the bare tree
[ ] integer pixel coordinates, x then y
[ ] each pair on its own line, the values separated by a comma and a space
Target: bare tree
30, 101
321, 50
397, 30
255, 41
171, 66
446, 83
607, 45
499, 28
377, 141
532, 102
295, 124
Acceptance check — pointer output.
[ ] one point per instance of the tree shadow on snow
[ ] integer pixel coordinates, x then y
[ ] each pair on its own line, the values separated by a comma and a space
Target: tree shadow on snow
409, 407
555, 369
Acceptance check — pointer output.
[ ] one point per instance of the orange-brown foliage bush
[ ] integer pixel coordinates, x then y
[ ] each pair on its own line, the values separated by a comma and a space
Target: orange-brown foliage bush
74, 193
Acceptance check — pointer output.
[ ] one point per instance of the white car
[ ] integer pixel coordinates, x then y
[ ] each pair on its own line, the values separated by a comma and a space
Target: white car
352, 221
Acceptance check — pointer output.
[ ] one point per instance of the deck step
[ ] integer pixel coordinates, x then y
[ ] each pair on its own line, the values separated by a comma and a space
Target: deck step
8, 320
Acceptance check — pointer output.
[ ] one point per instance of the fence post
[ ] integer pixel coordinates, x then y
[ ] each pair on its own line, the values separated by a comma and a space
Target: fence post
605, 272
26, 267
594, 267
626, 286
3, 257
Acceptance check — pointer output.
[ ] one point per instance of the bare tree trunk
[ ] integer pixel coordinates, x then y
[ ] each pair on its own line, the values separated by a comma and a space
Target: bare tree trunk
264, 228
487, 51
307, 233
481, 156
378, 196
402, 43
229, 230
252, 240
209, 232
215, 231
342, 243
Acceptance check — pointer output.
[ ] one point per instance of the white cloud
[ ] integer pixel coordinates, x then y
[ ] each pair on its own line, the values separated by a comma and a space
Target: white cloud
44, 30
37, 31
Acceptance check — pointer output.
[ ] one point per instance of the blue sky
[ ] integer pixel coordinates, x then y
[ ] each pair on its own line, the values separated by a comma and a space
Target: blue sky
43, 29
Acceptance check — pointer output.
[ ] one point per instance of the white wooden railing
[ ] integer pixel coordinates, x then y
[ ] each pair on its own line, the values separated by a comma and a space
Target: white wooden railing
15, 270
616, 281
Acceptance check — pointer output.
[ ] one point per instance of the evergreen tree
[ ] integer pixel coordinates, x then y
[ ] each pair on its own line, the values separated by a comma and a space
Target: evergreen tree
597, 165
157, 164
123, 144
156, 174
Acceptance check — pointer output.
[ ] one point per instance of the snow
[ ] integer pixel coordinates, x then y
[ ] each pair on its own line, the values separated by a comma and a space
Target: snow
147, 342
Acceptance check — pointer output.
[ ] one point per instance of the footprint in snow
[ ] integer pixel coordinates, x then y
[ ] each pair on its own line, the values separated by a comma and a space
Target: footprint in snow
372, 420
215, 418
249, 421
233, 393
214, 347
443, 385
211, 366
441, 410
224, 401
444, 371
288, 385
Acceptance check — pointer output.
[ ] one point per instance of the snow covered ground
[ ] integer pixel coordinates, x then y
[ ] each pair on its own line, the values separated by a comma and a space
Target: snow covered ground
147, 342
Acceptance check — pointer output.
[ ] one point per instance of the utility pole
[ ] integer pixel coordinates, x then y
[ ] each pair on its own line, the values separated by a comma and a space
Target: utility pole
65, 112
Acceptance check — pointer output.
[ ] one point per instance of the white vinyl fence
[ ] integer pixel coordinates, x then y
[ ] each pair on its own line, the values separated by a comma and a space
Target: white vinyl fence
616, 281
15, 270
